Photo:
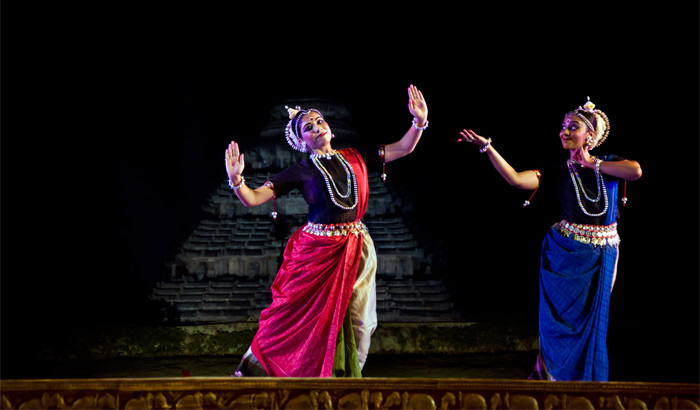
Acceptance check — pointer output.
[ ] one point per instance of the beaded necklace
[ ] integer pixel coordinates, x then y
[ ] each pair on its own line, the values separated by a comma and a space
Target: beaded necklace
600, 185
329, 178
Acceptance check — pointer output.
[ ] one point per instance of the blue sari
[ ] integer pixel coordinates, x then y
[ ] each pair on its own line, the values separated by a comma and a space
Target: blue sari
576, 281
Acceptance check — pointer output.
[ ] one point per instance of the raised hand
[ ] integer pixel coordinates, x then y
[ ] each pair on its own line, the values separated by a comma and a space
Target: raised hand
235, 163
417, 105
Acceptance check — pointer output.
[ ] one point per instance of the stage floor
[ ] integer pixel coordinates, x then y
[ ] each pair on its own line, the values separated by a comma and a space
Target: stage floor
503, 365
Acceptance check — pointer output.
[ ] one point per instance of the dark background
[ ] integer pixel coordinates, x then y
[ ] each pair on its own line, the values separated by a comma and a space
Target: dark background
115, 119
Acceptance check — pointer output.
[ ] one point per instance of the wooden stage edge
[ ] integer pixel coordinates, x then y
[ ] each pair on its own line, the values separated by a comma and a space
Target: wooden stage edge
361, 393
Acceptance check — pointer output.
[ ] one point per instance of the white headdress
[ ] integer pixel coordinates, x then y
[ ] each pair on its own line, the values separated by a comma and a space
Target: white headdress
602, 124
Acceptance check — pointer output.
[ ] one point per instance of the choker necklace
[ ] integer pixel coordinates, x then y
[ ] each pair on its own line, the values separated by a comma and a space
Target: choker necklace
329, 179
327, 155
600, 184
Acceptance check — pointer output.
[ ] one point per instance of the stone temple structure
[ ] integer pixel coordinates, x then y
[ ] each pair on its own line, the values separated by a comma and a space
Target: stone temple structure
223, 271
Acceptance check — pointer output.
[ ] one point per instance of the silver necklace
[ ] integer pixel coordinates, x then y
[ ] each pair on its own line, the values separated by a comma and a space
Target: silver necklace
329, 179
326, 155
600, 184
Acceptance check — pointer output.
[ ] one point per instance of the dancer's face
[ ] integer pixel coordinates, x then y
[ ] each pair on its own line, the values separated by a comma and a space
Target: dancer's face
315, 131
573, 132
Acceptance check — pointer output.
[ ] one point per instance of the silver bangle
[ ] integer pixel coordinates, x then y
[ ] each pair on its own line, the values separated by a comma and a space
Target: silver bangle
598, 161
485, 147
237, 187
417, 127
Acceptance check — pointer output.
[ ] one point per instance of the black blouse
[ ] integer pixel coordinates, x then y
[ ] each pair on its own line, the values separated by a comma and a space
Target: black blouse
556, 181
305, 177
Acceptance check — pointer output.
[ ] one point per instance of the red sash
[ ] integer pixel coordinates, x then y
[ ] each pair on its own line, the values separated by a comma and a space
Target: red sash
310, 295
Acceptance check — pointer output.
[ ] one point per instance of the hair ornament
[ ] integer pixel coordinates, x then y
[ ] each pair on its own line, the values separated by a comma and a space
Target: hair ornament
602, 123
588, 106
292, 139
292, 111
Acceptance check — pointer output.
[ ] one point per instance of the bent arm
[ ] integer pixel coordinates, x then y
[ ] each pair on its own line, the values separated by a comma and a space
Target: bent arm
419, 109
626, 169
522, 180
235, 164
253, 197
404, 146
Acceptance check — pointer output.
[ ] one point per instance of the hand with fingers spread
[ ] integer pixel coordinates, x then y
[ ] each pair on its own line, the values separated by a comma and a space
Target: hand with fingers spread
235, 163
471, 136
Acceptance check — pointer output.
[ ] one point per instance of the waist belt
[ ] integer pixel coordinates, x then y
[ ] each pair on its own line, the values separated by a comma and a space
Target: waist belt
597, 235
343, 229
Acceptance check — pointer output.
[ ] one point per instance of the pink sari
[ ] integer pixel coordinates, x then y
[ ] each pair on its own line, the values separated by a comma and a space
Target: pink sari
310, 296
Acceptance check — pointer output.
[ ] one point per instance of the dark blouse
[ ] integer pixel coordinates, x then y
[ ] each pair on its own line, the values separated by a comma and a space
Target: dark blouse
556, 181
305, 177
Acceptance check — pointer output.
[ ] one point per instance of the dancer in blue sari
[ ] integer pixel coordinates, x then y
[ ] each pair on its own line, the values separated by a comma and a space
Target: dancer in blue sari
578, 262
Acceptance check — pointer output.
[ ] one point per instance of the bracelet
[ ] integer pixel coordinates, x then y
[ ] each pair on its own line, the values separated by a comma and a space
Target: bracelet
485, 147
417, 127
237, 187
598, 161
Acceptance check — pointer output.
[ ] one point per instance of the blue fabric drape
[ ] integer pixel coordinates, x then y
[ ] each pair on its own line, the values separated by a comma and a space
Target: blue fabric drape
575, 286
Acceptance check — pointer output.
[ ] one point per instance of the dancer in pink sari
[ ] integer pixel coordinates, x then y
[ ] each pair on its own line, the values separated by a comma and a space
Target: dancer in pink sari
323, 310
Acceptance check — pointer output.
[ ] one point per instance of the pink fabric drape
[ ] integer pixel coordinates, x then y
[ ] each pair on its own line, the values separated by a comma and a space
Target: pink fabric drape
310, 295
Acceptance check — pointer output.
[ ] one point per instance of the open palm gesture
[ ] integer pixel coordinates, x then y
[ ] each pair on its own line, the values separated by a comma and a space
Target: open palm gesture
416, 104
235, 163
